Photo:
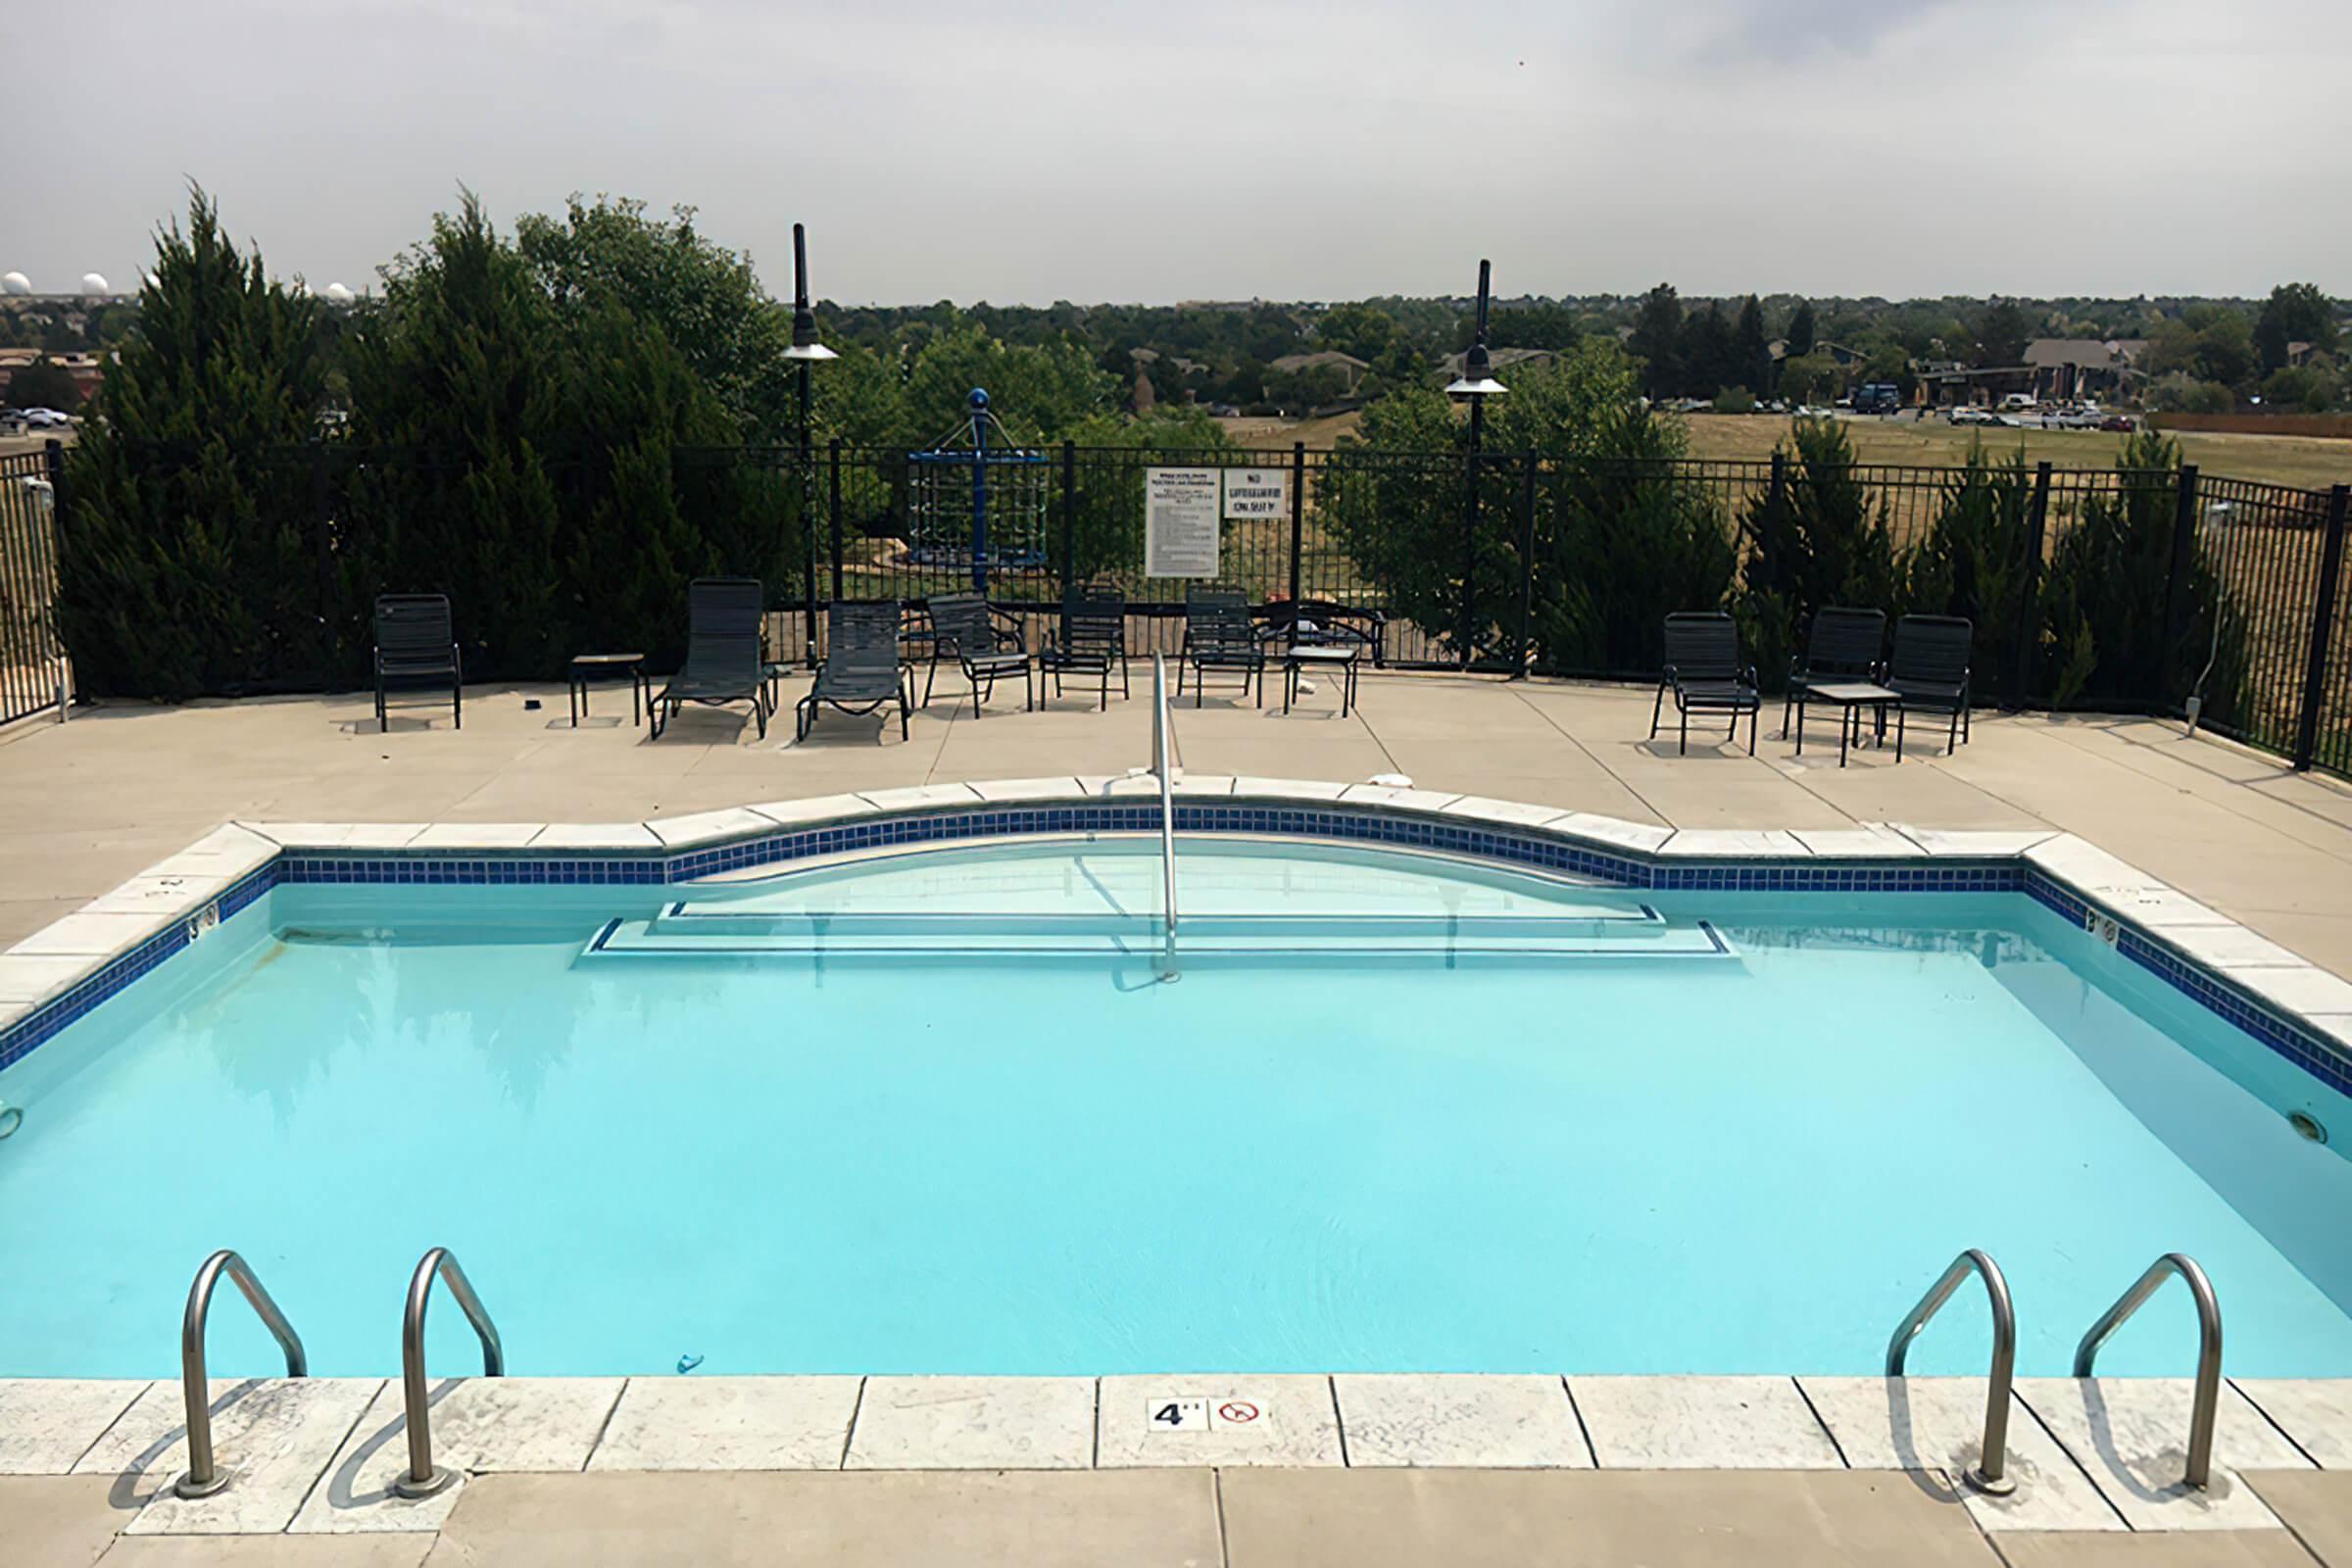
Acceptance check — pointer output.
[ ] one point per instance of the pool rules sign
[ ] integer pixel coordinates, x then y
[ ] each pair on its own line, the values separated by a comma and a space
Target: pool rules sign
1180, 523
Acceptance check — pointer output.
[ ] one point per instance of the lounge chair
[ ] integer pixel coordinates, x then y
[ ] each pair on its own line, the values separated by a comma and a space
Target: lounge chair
723, 617
1219, 634
1704, 672
414, 645
1930, 672
1842, 648
1091, 639
984, 641
863, 670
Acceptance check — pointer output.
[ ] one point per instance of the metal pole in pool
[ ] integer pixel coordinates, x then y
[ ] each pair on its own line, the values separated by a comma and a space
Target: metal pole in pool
1167, 816
978, 403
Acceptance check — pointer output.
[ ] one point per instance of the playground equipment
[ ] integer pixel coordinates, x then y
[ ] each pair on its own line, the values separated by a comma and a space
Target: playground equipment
978, 499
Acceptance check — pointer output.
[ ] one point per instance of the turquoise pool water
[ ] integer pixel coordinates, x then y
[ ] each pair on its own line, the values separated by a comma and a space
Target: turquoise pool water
1649, 1133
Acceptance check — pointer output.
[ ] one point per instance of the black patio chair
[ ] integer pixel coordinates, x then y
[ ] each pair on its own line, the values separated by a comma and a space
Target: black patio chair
1841, 645
1090, 640
984, 640
415, 646
1930, 670
1704, 672
724, 658
862, 670
1219, 634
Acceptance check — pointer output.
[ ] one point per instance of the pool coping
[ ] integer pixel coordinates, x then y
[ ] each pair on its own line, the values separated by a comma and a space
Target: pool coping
318, 1455
2300, 1010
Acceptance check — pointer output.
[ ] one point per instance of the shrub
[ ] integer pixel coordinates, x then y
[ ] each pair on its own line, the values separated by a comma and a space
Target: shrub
1814, 540
1734, 400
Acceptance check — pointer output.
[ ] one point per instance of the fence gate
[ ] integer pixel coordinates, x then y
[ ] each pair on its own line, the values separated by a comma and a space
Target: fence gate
33, 662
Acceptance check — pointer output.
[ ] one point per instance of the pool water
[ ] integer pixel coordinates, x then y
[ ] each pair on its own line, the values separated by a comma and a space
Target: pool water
796, 1149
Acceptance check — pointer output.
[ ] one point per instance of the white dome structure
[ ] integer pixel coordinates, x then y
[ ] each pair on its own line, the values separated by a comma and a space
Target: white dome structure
94, 283
15, 283
339, 295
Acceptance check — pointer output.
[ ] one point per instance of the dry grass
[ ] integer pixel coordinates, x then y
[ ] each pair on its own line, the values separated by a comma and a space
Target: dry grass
2307, 462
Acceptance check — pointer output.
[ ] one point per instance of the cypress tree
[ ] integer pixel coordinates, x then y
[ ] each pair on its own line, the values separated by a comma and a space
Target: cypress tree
190, 565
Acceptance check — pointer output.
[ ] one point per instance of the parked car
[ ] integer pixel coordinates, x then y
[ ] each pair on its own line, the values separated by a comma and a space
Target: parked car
2121, 422
44, 419
2085, 418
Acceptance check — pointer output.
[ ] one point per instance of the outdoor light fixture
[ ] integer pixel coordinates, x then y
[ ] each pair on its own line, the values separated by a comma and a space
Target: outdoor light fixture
1477, 379
805, 345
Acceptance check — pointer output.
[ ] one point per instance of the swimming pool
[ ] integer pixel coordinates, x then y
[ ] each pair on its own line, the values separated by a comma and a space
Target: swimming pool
940, 1113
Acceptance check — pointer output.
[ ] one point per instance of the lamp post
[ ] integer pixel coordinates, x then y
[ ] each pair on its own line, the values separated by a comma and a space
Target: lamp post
1475, 384
805, 351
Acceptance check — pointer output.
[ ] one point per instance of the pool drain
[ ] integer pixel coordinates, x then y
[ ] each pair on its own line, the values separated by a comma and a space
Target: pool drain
2305, 1125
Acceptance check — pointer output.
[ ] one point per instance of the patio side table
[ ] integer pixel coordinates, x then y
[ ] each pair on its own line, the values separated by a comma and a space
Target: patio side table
1340, 657
587, 666
1849, 698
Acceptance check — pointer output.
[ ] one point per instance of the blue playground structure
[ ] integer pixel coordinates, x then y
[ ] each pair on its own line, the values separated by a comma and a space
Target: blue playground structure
978, 498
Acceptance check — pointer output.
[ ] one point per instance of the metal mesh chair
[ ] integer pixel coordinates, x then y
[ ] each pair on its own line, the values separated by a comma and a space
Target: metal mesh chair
415, 646
1704, 672
1842, 645
723, 661
1219, 634
862, 670
984, 641
1091, 638
1929, 671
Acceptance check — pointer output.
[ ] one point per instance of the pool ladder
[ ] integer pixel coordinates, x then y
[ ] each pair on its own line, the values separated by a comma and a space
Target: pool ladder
204, 1476
1991, 1473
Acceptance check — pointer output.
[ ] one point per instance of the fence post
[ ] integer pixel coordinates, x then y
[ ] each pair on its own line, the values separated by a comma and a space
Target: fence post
833, 478
2176, 576
1069, 513
1298, 513
1470, 462
1527, 562
2027, 635
53, 464
328, 606
2322, 627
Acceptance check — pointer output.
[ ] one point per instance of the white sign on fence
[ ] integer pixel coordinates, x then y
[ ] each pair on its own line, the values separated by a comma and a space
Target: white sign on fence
1180, 523
1256, 493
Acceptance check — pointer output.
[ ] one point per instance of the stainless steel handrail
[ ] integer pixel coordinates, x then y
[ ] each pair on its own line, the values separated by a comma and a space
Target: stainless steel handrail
1167, 813
1991, 1473
204, 1478
422, 1479
2209, 1350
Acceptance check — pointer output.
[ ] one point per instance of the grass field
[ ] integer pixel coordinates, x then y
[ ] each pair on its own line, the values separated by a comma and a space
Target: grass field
2305, 461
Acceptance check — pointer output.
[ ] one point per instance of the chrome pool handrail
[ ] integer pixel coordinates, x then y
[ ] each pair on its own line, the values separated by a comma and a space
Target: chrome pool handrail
422, 1479
1167, 813
203, 1477
1991, 1473
2209, 1350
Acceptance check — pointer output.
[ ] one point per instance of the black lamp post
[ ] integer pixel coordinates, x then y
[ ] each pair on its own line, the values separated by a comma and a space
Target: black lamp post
805, 351
1475, 384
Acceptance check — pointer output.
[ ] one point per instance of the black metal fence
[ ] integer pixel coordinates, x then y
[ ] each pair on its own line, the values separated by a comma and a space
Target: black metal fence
2095, 589
31, 662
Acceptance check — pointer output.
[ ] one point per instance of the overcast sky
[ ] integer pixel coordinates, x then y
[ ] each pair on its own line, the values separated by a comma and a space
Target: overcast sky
1027, 150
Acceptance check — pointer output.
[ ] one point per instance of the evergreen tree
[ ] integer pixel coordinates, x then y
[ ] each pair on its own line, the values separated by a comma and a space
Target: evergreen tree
1754, 348
1801, 330
1815, 540
192, 567
1658, 340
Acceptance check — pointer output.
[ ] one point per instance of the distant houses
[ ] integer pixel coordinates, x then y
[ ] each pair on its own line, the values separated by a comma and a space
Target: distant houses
2068, 369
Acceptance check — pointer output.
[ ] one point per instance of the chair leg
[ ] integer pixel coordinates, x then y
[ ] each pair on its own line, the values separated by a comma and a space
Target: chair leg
1752, 726
759, 715
383, 723
1899, 715
1655, 708
1951, 741
1681, 746
457, 705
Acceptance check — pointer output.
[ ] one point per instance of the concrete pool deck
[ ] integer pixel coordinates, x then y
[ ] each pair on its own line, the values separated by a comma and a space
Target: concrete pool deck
86, 805
1600, 1470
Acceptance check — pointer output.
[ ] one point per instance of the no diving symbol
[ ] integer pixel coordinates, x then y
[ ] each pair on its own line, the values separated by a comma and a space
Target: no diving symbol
1237, 1412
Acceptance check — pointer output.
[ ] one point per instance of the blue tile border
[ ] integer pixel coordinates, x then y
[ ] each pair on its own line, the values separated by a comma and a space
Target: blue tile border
2277, 1029
60, 1011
